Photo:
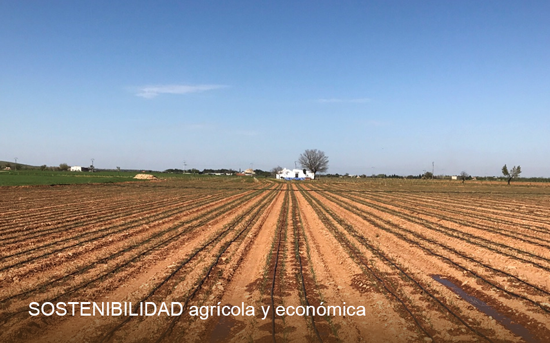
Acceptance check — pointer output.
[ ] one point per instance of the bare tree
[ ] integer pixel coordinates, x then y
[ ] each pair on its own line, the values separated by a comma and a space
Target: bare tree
464, 176
276, 171
514, 173
314, 160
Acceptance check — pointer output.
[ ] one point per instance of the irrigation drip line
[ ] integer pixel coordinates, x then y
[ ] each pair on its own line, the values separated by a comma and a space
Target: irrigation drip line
528, 238
122, 227
252, 220
131, 211
297, 221
358, 212
282, 225
263, 202
110, 230
457, 235
358, 257
122, 265
362, 239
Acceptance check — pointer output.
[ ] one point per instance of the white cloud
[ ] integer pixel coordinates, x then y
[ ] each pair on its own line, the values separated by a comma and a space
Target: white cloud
336, 100
150, 92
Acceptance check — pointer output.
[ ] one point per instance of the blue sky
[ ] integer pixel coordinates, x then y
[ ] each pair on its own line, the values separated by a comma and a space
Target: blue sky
379, 86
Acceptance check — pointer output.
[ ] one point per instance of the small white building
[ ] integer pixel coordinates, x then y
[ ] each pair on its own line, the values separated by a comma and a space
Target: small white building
76, 168
295, 174
454, 177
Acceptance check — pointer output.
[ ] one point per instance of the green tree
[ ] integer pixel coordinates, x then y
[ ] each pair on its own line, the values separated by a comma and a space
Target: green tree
512, 174
43, 167
63, 167
428, 175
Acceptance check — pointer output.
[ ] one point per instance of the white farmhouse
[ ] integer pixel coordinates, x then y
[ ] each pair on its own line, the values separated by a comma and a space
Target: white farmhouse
295, 174
76, 168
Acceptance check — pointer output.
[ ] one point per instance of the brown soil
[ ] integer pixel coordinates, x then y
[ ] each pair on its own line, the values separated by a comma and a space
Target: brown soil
318, 244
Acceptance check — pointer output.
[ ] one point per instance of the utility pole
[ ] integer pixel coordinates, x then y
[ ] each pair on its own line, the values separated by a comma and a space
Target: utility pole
184, 167
93, 164
295, 167
15, 166
433, 169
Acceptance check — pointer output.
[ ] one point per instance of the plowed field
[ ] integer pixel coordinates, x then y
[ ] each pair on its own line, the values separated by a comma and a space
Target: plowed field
395, 262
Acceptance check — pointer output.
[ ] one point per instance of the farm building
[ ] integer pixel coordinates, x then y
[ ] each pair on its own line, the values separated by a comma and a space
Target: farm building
295, 174
79, 169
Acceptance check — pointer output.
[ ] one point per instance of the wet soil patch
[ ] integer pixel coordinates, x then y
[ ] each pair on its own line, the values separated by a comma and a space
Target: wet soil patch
514, 326
225, 329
